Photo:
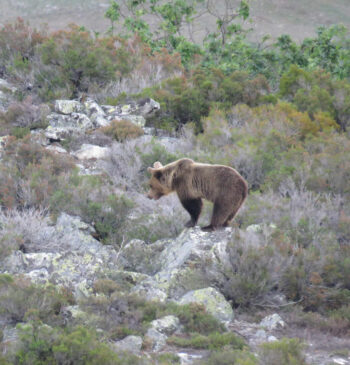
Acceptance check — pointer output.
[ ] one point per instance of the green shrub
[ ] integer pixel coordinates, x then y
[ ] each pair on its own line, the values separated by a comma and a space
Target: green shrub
19, 298
213, 341
41, 344
286, 351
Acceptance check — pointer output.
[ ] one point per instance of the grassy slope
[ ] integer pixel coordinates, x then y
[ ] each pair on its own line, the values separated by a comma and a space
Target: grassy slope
296, 17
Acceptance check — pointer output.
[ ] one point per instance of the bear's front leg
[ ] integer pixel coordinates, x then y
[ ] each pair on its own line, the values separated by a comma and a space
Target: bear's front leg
194, 208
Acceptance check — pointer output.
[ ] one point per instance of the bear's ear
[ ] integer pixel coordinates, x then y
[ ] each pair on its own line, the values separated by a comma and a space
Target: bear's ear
157, 165
150, 169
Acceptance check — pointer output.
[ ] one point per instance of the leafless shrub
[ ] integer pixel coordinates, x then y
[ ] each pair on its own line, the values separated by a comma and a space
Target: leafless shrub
123, 165
249, 166
255, 268
29, 230
26, 114
151, 220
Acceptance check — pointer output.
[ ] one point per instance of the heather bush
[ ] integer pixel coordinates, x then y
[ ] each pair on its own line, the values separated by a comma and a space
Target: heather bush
30, 174
286, 351
41, 344
136, 314
26, 114
213, 341
18, 42
20, 298
254, 269
122, 130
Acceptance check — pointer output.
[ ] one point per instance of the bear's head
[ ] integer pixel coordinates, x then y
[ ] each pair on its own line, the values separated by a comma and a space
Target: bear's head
160, 181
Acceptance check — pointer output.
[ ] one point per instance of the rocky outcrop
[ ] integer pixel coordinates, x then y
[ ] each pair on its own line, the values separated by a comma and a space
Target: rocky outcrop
89, 151
74, 116
73, 259
178, 261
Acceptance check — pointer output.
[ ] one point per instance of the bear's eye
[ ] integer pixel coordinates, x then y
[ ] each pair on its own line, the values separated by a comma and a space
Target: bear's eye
158, 175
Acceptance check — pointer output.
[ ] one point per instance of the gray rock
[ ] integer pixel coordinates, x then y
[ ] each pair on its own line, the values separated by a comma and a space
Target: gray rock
131, 344
92, 109
143, 107
157, 339
213, 301
188, 358
100, 121
139, 120
191, 249
149, 290
166, 325
61, 126
6, 87
138, 256
57, 149
74, 261
68, 106
89, 151
148, 106
260, 335
272, 322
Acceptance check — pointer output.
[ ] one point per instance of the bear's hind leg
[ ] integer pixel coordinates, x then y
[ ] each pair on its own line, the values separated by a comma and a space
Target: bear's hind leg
194, 208
221, 214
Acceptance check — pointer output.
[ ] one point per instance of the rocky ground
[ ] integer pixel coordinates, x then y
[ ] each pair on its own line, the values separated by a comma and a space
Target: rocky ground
167, 270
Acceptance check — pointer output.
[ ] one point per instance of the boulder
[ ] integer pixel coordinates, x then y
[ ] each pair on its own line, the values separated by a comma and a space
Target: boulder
185, 256
272, 322
92, 109
68, 106
56, 148
157, 339
149, 290
166, 325
61, 126
138, 120
213, 301
72, 257
131, 344
89, 151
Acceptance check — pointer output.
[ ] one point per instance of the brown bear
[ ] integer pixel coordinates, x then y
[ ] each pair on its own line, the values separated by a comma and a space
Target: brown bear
192, 181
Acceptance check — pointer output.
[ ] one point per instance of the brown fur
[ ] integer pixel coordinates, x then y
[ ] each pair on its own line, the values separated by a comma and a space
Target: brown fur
192, 181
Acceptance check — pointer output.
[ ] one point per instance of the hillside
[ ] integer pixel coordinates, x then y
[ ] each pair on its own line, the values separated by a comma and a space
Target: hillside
299, 18
94, 271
